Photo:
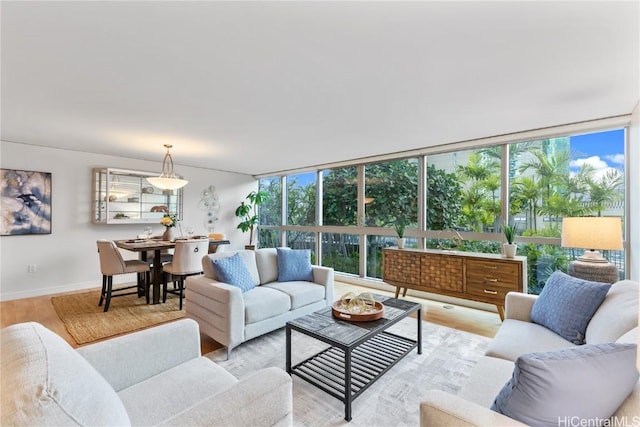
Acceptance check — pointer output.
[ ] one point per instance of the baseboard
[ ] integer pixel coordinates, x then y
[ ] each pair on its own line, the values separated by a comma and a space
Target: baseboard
50, 290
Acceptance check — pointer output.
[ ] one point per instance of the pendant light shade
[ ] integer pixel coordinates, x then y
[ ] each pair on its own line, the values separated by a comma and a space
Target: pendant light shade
167, 179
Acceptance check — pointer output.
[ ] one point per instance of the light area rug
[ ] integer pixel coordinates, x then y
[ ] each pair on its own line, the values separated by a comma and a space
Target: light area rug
86, 322
448, 356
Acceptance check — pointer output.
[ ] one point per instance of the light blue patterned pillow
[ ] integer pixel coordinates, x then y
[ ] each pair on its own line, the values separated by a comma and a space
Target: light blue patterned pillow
573, 386
294, 264
231, 270
567, 304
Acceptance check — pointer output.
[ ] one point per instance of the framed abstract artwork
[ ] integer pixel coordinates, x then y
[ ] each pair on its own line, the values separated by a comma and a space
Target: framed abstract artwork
25, 206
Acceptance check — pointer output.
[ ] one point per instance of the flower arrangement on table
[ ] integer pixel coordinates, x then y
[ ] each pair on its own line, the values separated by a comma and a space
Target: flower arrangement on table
169, 220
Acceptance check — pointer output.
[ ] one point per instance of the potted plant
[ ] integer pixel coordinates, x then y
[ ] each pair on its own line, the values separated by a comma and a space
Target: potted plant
399, 226
248, 213
509, 234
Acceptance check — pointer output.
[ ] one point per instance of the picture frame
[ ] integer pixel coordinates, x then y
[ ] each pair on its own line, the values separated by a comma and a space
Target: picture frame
26, 202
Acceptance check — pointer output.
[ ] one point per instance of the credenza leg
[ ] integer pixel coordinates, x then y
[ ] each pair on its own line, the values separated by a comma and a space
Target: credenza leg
500, 311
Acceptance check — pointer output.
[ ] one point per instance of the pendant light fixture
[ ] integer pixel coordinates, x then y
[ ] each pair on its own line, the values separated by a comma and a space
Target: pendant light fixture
167, 179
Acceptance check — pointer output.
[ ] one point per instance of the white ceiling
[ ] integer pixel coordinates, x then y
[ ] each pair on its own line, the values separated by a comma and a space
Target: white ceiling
260, 87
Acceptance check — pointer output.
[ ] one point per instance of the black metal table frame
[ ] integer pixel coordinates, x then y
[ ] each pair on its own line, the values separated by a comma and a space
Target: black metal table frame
326, 363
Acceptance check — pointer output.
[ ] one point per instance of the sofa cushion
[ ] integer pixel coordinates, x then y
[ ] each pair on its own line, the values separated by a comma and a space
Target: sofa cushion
248, 257
231, 270
617, 314
46, 382
262, 303
267, 262
566, 305
153, 401
294, 265
301, 293
516, 337
583, 384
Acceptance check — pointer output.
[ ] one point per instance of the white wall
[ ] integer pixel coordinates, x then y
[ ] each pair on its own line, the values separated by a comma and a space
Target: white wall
634, 197
67, 258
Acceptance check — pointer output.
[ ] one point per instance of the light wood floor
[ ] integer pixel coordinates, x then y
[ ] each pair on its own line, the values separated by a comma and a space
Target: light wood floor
40, 309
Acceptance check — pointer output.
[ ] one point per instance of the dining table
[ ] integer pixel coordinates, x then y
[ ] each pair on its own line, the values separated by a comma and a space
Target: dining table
143, 246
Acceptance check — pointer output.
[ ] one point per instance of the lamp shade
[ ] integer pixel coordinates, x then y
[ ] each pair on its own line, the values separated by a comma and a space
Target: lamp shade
167, 179
597, 233
167, 183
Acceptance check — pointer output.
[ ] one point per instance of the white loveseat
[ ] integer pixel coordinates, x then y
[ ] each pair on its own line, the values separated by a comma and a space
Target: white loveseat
231, 316
616, 320
147, 378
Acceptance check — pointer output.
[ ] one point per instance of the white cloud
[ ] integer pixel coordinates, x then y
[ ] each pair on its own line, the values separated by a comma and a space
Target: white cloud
616, 158
594, 161
599, 166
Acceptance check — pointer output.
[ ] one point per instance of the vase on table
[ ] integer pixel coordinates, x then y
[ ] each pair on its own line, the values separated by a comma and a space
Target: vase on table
510, 249
169, 234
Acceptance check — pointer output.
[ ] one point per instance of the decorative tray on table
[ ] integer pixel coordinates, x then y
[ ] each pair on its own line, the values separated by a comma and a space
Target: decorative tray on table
361, 308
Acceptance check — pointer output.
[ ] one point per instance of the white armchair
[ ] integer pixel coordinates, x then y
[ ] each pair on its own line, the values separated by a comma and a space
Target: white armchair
152, 377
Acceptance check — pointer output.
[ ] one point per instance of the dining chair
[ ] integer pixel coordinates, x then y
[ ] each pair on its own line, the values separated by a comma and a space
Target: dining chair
111, 264
187, 261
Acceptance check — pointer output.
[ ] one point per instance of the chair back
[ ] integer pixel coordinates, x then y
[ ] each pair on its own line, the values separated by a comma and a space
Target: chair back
187, 256
111, 261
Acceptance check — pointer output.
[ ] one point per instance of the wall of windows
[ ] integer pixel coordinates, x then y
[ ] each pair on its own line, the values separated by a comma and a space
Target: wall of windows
457, 199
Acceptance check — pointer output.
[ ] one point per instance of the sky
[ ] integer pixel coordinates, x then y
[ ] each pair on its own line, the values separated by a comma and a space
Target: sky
602, 150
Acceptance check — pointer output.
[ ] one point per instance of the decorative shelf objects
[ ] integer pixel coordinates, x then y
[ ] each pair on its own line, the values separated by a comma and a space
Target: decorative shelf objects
123, 196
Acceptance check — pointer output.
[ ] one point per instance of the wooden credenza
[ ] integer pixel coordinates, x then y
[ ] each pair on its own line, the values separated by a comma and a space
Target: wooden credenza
468, 275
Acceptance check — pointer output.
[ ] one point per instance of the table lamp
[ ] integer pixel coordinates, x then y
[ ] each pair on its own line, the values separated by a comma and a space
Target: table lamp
593, 233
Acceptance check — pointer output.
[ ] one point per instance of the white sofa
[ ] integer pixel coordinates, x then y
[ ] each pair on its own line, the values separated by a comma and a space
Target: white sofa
616, 320
148, 378
232, 317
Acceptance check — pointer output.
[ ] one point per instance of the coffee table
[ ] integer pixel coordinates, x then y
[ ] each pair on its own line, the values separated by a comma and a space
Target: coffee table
360, 352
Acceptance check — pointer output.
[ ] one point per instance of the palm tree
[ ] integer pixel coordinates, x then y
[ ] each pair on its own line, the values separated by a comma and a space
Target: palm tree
492, 185
550, 170
607, 190
559, 206
478, 169
529, 191
578, 184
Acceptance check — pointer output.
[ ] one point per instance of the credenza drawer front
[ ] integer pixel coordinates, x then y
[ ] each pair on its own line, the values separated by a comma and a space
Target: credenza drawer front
503, 273
487, 292
402, 267
442, 272
491, 280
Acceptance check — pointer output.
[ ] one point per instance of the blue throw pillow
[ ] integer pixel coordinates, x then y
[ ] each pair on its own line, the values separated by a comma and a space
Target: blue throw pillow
567, 304
571, 386
231, 270
294, 264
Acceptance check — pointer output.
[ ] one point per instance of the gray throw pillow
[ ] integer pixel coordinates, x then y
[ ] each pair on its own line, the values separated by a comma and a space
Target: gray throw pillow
567, 304
573, 386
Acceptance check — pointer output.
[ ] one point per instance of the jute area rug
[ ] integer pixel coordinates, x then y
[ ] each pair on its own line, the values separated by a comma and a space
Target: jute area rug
447, 358
86, 322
